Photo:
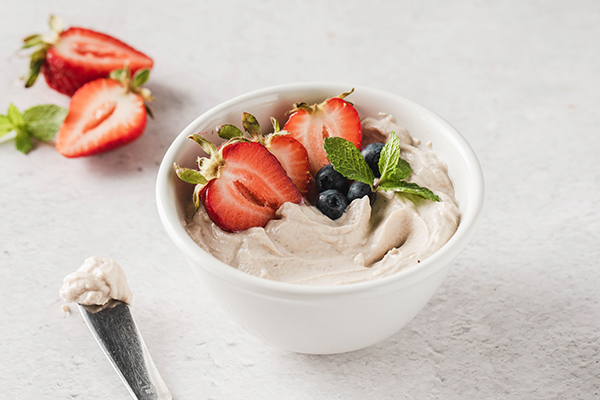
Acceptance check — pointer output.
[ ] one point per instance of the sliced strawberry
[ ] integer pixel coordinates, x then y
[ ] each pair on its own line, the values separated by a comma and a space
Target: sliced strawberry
293, 157
71, 58
310, 125
102, 115
290, 153
249, 189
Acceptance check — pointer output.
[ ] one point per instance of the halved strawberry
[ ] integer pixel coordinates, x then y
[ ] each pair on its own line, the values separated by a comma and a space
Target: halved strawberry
76, 56
293, 158
241, 186
290, 153
310, 125
103, 114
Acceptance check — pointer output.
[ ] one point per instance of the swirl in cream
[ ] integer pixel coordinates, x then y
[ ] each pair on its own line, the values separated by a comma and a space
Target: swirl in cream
303, 246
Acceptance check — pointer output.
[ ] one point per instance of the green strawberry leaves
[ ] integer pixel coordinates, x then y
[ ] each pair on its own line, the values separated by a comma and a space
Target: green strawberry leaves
141, 77
40, 44
133, 84
347, 160
228, 131
251, 125
38, 122
208, 167
190, 175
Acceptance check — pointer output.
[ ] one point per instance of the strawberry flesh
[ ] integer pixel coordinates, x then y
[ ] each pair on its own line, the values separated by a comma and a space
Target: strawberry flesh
293, 157
102, 116
250, 188
311, 125
82, 55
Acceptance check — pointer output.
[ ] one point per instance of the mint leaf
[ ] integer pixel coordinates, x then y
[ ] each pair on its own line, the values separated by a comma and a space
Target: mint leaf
227, 131
390, 154
5, 125
391, 166
190, 175
15, 116
409, 187
43, 122
22, 140
404, 170
347, 160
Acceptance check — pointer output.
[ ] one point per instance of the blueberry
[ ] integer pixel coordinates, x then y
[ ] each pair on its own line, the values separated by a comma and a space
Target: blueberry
332, 203
371, 154
329, 178
358, 190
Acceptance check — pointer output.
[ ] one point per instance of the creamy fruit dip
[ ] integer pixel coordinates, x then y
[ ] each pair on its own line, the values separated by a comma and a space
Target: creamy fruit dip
304, 246
96, 282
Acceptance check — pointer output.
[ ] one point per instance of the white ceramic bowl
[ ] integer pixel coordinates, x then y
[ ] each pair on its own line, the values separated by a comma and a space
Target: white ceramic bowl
315, 319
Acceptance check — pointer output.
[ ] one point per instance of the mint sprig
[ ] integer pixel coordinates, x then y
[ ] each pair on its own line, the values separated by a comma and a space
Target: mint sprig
347, 160
38, 122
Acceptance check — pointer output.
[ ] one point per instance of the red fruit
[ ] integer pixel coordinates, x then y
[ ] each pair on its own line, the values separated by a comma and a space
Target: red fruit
293, 157
102, 115
82, 55
289, 152
250, 187
76, 56
310, 125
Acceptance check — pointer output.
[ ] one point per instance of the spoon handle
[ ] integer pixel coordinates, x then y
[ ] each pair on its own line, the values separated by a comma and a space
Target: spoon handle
120, 340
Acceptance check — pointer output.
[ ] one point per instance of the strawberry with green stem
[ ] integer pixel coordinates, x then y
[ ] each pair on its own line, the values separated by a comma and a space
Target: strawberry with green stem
241, 184
290, 153
312, 124
105, 114
70, 58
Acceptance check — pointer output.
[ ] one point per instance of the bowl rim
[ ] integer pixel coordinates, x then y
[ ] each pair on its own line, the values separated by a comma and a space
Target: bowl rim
410, 275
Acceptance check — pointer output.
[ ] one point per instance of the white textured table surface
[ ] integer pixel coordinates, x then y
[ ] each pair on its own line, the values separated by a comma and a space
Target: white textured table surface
518, 316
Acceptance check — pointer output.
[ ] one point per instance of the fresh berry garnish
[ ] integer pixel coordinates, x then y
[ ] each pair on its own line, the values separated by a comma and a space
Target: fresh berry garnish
332, 203
311, 124
105, 114
329, 178
241, 185
290, 153
69, 59
348, 161
372, 154
358, 190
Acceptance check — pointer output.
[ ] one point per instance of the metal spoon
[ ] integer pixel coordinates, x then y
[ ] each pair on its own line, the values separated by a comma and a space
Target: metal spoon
119, 338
